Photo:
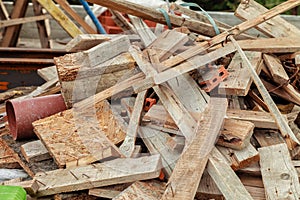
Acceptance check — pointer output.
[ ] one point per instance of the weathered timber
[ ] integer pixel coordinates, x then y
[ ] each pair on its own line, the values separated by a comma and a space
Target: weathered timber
276, 69
225, 178
48, 73
35, 151
113, 172
65, 22
239, 80
192, 169
278, 173
239, 159
149, 190
78, 137
86, 41
109, 192
276, 27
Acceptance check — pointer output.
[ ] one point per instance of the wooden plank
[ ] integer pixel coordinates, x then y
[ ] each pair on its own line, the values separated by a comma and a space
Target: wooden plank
280, 120
66, 6
31, 186
276, 69
192, 169
35, 151
225, 178
11, 34
78, 137
271, 45
150, 190
18, 21
122, 22
239, 80
279, 175
258, 118
97, 175
128, 145
62, 19
48, 73
86, 41
276, 27
239, 159
3, 11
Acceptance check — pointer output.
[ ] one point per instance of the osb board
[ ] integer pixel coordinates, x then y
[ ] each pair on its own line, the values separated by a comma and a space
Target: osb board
81, 136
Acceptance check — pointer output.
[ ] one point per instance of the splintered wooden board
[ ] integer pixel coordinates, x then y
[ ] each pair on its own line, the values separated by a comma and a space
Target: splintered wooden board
81, 137
239, 80
7, 156
112, 172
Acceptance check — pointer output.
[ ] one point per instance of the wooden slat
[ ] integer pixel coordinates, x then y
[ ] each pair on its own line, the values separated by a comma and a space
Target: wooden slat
3, 11
66, 6
225, 178
35, 151
193, 160
150, 190
239, 80
11, 34
65, 22
97, 175
276, 69
279, 175
108, 191
267, 138
48, 73
77, 137
276, 27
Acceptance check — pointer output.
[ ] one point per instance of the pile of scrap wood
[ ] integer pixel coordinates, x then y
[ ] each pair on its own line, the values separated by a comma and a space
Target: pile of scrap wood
173, 114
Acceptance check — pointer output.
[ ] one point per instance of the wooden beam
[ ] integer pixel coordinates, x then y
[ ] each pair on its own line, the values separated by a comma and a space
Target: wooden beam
11, 34
192, 169
280, 120
150, 190
74, 137
35, 151
276, 27
279, 175
97, 175
239, 80
225, 178
66, 6
62, 19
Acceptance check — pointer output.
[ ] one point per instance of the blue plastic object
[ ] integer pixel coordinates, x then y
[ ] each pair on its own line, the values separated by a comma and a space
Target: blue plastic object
93, 17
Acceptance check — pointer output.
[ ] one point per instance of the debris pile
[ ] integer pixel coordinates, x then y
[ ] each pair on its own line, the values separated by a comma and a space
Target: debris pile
171, 112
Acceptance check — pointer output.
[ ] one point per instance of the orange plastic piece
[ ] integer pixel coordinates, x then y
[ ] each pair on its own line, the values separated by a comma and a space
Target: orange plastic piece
215, 78
161, 175
149, 102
